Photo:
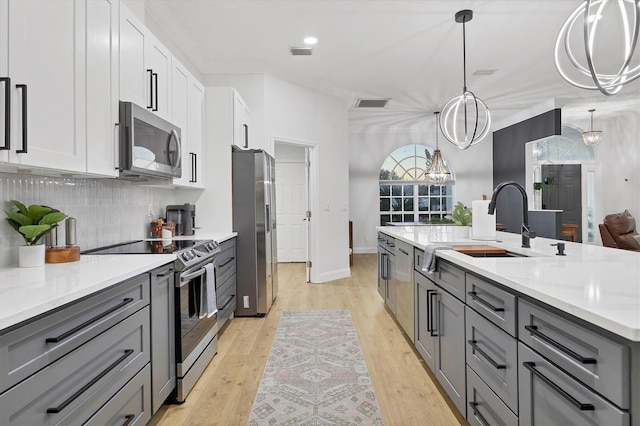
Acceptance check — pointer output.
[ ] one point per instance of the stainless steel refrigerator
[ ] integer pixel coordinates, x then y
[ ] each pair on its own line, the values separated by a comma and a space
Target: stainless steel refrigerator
254, 219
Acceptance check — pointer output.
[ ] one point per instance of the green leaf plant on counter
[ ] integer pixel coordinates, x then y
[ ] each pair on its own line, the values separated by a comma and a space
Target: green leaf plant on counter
33, 222
460, 215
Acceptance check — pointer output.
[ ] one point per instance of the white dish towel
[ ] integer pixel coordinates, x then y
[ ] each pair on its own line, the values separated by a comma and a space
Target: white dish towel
429, 262
208, 303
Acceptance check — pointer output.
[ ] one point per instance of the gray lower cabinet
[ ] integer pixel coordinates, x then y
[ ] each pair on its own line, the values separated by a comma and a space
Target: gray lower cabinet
163, 336
225, 267
88, 362
549, 396
387, 270
493, 355
450, 359
405, 288
485, 407
426, 340
72, 389
439, 335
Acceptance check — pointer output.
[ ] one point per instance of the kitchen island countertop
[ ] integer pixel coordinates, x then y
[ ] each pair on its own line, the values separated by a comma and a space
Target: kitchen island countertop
597, 284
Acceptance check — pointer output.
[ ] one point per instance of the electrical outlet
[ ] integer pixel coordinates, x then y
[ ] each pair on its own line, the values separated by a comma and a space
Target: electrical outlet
245, 301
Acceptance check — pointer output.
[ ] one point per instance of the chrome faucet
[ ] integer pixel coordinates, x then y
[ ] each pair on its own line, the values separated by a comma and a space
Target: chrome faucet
525, 231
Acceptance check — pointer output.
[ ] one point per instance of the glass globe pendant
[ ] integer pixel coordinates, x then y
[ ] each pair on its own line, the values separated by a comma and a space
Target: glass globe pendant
466, 119
437, 173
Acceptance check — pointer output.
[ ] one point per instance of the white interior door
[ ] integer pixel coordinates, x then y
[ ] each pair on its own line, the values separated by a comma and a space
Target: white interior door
291, 207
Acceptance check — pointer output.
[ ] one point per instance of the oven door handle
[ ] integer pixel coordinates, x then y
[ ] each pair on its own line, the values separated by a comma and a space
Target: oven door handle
186, 277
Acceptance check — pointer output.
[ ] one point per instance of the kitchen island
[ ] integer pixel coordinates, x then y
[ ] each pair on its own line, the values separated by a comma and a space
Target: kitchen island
488, 327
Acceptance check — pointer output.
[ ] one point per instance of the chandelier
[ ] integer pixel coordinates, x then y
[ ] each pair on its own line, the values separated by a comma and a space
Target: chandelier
592, 137
465, 118
591, 12
437, 173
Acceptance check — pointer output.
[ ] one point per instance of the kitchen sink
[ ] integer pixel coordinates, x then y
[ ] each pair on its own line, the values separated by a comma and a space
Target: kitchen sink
505, 254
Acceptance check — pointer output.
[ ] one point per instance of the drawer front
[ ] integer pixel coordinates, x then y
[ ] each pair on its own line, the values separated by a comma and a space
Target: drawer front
485, 408
25, 350
132, 405
548, 396
418, 259
495, 304
451, 278
224, 314
224, 289
493, 355
81, 382
598, 362
226, 260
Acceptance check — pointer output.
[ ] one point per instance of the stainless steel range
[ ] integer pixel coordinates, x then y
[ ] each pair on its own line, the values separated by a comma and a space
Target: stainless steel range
196, 322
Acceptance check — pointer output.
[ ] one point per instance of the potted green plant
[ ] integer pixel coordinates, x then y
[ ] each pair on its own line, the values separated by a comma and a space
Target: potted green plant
461, 216
33, 223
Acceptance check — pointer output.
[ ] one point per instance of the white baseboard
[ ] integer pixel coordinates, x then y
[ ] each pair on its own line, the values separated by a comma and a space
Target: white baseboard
333, 275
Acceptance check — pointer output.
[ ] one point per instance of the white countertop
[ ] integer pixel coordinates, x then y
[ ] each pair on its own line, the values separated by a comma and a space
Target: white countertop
28, 292
597, 284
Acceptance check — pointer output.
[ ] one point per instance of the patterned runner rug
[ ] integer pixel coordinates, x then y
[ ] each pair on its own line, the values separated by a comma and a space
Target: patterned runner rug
315, 374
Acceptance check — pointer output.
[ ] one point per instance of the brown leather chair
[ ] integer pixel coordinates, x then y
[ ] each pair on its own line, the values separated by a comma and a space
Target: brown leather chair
619, 231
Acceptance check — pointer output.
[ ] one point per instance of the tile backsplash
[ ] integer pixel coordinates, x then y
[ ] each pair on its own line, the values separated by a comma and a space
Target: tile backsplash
107, 211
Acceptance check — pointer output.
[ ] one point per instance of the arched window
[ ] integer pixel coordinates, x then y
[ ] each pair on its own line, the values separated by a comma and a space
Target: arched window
405, 196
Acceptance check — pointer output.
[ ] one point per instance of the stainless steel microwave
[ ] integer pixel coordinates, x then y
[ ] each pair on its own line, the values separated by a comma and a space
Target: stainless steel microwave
150, 147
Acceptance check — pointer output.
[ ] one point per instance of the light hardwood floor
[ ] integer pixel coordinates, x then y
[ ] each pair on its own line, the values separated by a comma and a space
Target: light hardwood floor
406, 391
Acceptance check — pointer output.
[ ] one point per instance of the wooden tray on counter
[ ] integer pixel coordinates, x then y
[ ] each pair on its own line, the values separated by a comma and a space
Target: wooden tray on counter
478, 249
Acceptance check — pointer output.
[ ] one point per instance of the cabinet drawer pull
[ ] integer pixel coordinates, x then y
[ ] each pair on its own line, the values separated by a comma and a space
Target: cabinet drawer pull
481, 301
403, 251
83, 389
7, 113
87, 323
227, 262
128, 419
476, 412
433, 331
476, 348
23, 87
533, 329
582, 407
150, 71
390, 244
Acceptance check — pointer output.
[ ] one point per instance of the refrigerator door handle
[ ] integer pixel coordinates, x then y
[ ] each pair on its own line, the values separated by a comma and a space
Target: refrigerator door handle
268, 218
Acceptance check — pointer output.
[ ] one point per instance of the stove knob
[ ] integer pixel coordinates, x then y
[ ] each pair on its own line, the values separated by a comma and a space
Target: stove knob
185, 256
211, 246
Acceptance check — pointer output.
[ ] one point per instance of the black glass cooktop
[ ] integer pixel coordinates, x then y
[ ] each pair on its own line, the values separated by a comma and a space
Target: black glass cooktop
146, 247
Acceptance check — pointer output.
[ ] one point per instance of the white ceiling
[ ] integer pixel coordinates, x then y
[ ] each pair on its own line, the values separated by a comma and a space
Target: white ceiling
409, 51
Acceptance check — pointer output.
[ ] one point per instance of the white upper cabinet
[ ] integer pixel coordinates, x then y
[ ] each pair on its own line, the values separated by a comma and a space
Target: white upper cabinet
145, 66
43, 53
60, 57
196, 133
102, 87
187, 107
241, 122
229, 118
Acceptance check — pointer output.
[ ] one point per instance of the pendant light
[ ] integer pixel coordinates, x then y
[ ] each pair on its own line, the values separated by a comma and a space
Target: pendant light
592, 13
465, 119
592, 137
437, 173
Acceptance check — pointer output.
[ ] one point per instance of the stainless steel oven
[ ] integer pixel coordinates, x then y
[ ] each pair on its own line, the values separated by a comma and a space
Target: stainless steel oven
196, 327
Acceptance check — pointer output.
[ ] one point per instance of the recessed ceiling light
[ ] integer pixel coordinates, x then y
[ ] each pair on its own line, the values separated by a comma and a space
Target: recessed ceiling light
484, 72
310, 41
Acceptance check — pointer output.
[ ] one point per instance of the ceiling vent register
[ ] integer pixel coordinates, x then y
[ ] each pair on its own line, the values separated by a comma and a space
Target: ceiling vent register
301, 51
371, 103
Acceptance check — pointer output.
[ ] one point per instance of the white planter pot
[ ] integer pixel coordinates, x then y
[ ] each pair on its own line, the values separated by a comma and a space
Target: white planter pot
461, 231
31, 256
